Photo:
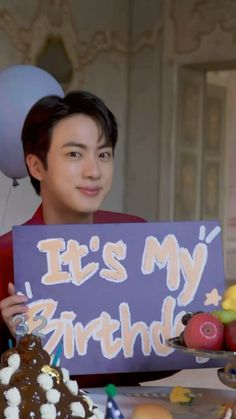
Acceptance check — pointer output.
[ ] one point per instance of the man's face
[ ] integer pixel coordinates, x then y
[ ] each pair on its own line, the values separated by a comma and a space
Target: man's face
79, 169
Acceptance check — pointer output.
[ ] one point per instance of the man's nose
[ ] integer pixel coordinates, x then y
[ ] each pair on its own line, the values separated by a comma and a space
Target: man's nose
91, 167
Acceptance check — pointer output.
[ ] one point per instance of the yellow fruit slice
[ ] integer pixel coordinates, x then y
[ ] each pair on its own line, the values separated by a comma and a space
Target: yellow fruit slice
229, 298
180, 395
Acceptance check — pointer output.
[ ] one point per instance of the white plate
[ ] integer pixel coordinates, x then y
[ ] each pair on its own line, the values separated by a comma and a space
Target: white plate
206, 403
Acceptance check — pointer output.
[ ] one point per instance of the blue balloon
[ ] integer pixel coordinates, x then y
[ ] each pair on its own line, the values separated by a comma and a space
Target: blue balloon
21, 86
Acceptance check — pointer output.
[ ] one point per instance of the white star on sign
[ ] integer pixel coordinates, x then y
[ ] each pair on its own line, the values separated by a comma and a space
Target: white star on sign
212, 298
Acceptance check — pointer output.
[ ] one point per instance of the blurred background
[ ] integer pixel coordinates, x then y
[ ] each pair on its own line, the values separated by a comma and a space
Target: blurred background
167, 69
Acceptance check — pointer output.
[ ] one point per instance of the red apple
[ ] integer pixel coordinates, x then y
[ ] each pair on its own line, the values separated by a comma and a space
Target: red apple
204, 331
230, 336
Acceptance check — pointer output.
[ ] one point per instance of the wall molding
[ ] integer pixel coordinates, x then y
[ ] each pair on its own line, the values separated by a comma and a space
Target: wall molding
53, 18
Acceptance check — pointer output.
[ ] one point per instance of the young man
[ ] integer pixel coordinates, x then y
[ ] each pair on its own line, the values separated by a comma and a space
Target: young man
69, 148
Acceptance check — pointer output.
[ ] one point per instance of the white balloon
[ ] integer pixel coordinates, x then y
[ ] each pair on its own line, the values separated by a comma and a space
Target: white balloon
21, 86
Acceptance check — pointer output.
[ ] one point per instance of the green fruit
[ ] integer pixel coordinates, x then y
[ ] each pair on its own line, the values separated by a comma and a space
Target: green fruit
225, 316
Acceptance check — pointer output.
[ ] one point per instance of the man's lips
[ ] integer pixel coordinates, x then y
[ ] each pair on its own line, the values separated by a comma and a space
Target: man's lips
89, 191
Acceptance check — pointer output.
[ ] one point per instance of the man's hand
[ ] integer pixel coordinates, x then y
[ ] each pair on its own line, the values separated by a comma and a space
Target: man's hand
12, 305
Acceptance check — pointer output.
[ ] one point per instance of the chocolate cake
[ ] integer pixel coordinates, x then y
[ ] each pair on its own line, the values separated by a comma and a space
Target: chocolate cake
30, 387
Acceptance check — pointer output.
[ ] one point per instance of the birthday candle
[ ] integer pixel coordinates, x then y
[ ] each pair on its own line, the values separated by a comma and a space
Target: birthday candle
57, 355
10, 344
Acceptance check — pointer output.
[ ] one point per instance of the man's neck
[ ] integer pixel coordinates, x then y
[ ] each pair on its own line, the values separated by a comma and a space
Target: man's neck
55, 216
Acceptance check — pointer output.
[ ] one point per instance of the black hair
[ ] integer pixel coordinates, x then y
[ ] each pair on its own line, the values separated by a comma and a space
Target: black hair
49, 110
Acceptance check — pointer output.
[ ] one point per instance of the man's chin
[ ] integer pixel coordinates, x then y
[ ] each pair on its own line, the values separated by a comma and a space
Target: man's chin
86, 212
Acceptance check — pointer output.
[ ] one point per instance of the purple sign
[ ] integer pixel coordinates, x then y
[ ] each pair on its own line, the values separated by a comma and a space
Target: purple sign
112, 294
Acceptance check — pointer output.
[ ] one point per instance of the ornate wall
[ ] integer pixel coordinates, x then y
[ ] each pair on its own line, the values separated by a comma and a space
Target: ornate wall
199, 34
90, 45
201, 31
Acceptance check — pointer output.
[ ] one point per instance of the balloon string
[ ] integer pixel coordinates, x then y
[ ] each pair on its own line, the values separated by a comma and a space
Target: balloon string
15, 182
6, 205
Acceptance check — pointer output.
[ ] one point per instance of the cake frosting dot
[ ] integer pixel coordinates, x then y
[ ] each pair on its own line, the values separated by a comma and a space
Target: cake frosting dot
48, 411
53, 396
72, 386
77, 409
11, 412
14, 361
66, 375
13, 396
45, 381
5, 375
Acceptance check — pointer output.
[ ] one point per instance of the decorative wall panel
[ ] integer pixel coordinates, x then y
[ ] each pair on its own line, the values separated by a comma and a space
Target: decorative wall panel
53, 33
195, 19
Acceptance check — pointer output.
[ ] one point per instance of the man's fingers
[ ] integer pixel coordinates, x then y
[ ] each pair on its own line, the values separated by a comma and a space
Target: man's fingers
13, 310
11, 306
11, 288
13, 317
12, 300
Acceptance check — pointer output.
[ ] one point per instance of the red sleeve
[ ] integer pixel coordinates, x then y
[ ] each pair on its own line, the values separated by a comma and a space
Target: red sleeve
6, 276
6, 264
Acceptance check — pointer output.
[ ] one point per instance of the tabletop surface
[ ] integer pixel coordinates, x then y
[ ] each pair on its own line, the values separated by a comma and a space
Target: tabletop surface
198, 377
206, 403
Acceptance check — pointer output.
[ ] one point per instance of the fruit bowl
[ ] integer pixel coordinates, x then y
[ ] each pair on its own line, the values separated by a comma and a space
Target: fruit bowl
227, 375
177, 343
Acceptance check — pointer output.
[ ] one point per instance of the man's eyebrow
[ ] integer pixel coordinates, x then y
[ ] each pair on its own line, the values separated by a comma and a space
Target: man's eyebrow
84, 146
105, 145
74, 144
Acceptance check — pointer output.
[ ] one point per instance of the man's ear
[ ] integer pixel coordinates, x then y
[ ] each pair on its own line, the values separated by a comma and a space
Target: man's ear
35, 166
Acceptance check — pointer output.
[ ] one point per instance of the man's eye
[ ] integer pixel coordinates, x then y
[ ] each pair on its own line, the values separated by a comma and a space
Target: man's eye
105, 155
74, 154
